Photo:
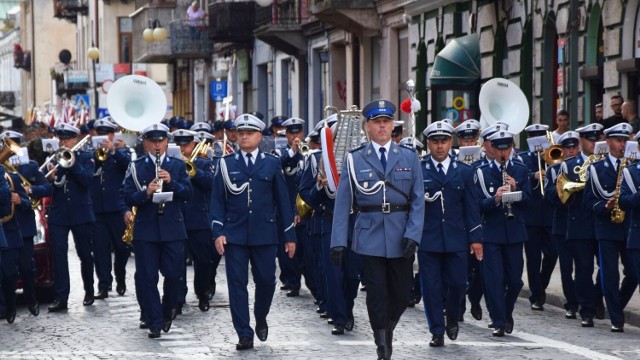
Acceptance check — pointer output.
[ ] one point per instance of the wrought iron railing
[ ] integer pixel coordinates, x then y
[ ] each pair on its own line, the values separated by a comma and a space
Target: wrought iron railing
156, 3
190, 38
283, 12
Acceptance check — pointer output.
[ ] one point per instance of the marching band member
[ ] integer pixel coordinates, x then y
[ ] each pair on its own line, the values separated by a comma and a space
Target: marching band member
249, 192
39, 187
629, 202
503, 229
581, 238
201, 126
396, 134
292, 162
109, 225
601, 195
196, 216
380, 182
442, 255
468, 132
71, 210
159, 232
540, 251
569, 142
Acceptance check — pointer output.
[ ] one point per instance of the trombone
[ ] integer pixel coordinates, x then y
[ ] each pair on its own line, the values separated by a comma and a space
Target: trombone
64, 156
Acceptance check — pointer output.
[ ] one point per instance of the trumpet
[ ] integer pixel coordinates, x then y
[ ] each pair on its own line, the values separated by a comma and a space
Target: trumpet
102, 154
64, 157
199, 150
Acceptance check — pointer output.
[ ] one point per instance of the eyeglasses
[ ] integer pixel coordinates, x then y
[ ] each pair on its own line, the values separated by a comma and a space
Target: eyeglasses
618, 104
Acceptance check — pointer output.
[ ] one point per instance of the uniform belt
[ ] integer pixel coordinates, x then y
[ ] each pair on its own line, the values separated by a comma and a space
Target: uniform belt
384, 208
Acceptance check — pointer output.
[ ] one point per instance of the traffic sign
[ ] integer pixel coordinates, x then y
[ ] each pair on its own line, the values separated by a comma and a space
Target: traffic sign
218, 90
82, 100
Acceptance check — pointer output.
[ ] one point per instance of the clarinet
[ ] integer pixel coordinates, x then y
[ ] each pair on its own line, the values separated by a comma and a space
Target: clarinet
159, 181
510, 215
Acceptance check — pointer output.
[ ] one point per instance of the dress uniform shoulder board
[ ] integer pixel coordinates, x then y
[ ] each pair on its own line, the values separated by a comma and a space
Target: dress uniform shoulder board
463, 164
358, 148
518, 163
229, 155
139, 159
272, 155
569, 158
485, 165
408, 147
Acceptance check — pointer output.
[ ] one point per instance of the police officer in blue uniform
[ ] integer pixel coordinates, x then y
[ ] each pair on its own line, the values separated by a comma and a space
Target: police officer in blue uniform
5, 209
380, 182
451, 229
11, 255
540, 251
503, 230
38, 188
248, 191
581, 238
292, 164
197, 216
109, 225
71, 210
629, 202
159, 233
569, 143
600, 196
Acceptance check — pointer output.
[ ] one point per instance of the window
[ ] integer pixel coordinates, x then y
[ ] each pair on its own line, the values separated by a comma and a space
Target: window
124, 39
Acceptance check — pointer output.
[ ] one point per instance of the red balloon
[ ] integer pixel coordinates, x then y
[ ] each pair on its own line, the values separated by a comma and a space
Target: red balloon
405, 106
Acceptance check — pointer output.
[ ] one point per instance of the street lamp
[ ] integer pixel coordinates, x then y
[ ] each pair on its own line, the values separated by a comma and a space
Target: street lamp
155, 32
94, 54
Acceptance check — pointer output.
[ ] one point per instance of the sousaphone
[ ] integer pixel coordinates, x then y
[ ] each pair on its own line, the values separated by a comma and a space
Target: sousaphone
502, 100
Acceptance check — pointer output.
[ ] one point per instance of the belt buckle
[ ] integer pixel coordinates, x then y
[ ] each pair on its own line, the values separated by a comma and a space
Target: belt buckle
386, 208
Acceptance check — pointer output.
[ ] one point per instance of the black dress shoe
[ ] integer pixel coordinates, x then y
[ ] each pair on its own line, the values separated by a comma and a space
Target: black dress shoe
88, 299
476, 311
293, 293
330, 321
154, 333
121, 288
57, 306
349, 325
167, 325
282, 287
11, 316
451, 329
437, 341
203, 304
411, 303
363, 288
337, 330
509, 325
245, 343
499, 332
491, 326
599, 310
262, 331
3, 315
34, 308
177, 310
102, 294
325, 315
319, 311
587, 322
143, 325
570, 314
614, 328
537, 306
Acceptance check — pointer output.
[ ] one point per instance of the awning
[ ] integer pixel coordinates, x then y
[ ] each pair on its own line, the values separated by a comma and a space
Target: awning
458, 63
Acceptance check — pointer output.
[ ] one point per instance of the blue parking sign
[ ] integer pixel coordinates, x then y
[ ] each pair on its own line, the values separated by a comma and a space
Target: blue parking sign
218, 90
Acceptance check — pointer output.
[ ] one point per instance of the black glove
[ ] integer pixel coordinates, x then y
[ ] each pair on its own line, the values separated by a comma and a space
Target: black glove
409, 248
337, 255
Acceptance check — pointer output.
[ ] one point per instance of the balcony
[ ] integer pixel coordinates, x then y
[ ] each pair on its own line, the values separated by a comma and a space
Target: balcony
232, 21
69, 9
350, 15
190, 40
280, 25
150, 52
155, 3
8, 99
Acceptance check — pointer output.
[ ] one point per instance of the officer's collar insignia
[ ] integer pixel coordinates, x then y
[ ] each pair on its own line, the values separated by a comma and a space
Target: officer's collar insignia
237, 156
262, 155
395, 150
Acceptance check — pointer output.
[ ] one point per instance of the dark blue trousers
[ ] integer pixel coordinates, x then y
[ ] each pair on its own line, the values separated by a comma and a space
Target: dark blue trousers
59, 235
475, 286
315, 240
307, 260
289, 268
202, 251
166, 257
503, 265
27, 268
582, 252
565, 257
436, 270
9, 276
539, 269
263, 268
108, 230
616, 295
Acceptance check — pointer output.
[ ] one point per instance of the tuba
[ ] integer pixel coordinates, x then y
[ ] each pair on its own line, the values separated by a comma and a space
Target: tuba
501, 100
347, 136
136, 102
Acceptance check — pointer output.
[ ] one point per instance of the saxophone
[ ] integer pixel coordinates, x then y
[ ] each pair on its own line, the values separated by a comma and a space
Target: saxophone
510, 215
617, 214
127, 237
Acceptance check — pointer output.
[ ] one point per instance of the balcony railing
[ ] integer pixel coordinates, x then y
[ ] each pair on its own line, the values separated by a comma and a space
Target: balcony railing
8, 99
283, 12
156, 3
69, 9
190, 39
232, 21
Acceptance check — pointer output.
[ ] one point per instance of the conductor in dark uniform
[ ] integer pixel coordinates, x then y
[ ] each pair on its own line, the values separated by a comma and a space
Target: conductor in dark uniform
249, 192
159, 232
451, 229
381, 183
71, 210
109, 225
503, 230
600, 195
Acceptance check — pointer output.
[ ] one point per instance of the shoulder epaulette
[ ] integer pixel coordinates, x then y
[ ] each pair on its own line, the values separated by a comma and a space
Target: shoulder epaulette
140, 159
358, 148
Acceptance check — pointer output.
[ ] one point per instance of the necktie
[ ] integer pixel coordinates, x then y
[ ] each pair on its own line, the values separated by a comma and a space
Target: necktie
383, 158
441, 170
249, 162
617, 164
